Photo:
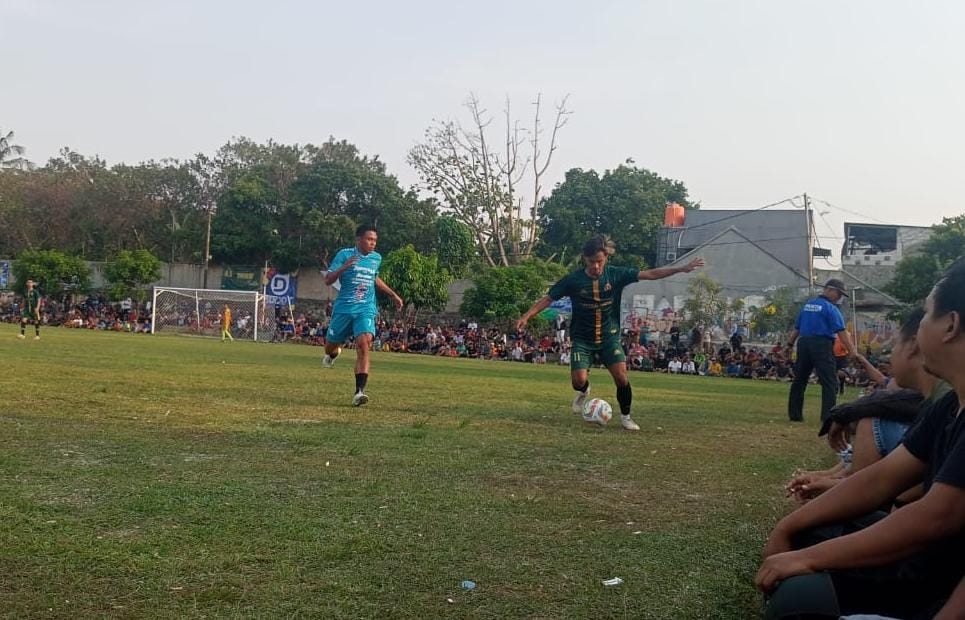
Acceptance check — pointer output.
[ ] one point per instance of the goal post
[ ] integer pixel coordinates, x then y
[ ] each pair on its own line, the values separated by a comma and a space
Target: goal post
199, 312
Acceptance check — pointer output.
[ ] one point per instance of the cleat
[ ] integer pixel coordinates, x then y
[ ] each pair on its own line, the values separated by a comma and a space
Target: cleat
628, 423
328, 361
21, 336
36, 337
580, 401
359, 399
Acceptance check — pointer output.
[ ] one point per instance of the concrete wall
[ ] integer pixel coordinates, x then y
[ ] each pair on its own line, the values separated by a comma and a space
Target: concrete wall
744, 271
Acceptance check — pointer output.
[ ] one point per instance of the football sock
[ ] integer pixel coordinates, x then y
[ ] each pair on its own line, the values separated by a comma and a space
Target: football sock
586, 386
361, 379
624, 397
23, 327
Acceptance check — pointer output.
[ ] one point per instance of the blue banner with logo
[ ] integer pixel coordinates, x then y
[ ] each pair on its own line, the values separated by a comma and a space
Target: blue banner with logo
4, 273
282, 289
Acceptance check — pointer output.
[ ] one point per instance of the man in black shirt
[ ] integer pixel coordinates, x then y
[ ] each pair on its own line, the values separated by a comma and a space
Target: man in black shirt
903, 563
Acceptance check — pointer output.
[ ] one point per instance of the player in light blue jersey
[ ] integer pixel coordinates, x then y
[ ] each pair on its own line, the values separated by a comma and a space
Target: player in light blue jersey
357, 272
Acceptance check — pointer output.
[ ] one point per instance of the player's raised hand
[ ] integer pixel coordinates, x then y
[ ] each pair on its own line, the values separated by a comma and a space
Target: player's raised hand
520, 325
350, 262
697, 263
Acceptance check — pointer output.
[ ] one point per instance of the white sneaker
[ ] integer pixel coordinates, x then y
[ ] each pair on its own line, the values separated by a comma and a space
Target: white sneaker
628, 423
21, 336
328, 361
579, 401
36, 337
359, 399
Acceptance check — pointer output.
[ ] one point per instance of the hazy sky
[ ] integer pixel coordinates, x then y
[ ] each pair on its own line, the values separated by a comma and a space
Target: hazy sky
859, 103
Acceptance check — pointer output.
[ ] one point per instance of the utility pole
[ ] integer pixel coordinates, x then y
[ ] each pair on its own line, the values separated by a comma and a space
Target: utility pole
207, 249
810, 225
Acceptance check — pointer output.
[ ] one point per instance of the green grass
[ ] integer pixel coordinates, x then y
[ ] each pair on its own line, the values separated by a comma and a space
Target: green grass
168, 477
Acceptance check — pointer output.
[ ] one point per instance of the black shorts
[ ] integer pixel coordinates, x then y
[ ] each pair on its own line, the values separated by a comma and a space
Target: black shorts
841, 362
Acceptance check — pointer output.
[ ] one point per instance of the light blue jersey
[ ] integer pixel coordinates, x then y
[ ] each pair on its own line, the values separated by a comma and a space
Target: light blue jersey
357, 293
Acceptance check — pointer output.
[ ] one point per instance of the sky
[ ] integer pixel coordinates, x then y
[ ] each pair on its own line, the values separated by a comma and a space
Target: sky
858, 103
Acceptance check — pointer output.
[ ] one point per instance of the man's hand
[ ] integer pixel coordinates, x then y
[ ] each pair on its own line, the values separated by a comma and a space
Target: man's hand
349, 263
398, 302
839, 436
697, 263
779, 567
521, 324
806, 487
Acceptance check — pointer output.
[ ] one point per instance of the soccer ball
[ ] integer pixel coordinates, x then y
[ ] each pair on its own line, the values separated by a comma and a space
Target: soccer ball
597, 411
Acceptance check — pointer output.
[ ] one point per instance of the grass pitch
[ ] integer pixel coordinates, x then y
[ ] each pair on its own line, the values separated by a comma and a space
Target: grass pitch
169, 477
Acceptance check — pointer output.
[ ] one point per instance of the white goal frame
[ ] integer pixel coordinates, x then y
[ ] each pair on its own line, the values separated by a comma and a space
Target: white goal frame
197, 312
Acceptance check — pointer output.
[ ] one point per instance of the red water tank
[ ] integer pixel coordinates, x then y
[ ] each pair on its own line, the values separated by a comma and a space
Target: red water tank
674, 216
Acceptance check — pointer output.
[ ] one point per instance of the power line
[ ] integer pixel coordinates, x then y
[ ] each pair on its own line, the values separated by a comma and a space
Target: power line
855, 213
744, 212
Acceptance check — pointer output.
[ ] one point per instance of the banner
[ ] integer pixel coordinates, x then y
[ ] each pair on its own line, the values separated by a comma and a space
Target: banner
281, 290
4, 274
241, 278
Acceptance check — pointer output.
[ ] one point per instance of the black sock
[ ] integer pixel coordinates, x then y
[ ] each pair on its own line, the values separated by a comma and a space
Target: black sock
37, 328
361, 378
624, 397
23, 328
586, 386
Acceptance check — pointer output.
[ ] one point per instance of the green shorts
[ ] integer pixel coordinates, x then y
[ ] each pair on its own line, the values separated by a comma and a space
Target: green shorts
585, 354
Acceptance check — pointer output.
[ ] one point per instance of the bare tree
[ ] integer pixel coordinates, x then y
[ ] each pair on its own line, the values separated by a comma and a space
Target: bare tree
481, 186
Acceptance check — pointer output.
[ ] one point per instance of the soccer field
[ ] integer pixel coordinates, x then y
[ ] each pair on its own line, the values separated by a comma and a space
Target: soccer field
150, 476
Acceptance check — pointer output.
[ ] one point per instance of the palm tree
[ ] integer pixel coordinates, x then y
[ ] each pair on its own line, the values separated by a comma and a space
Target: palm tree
11, 155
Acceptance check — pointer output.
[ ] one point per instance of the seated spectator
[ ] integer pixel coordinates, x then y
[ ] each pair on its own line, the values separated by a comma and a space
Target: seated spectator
688, 367
905, 563
675, 366
715, 369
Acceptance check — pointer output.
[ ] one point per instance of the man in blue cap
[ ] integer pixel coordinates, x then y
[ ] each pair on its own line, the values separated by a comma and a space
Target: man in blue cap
818, 324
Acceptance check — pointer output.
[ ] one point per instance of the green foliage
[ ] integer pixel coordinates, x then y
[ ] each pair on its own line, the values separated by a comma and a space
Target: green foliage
507, 292
129, 272
704, 304
916, 274
418, 279
778, 313
455, 246
626, 203
54, 272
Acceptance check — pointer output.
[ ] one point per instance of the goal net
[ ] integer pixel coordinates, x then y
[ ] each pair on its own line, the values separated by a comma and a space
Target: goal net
199, 312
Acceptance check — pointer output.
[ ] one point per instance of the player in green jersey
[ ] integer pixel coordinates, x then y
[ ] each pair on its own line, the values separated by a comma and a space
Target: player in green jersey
30, 312
595, 293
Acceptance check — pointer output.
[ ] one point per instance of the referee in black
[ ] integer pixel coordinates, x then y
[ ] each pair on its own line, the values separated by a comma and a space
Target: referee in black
818, 324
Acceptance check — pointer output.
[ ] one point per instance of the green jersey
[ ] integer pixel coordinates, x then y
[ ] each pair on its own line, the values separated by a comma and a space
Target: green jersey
596, 302
31, 303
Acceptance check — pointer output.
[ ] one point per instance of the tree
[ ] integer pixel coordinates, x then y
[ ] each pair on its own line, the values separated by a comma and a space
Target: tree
916, 274
418, 279
507, 292
626, 203
129, 272
479, 180
455, 246
778, 313
55, 273
704, 304
11, 155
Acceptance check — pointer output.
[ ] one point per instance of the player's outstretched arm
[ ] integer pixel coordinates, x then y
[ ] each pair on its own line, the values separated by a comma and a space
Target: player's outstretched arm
385, 288
664, 272
542, 304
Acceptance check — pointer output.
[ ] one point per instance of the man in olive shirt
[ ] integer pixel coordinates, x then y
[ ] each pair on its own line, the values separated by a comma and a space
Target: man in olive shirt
31, 310
595, 293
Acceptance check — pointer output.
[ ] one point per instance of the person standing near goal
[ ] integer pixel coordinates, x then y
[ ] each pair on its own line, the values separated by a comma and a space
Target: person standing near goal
30, 312
356, 270
226, 324
595, 293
